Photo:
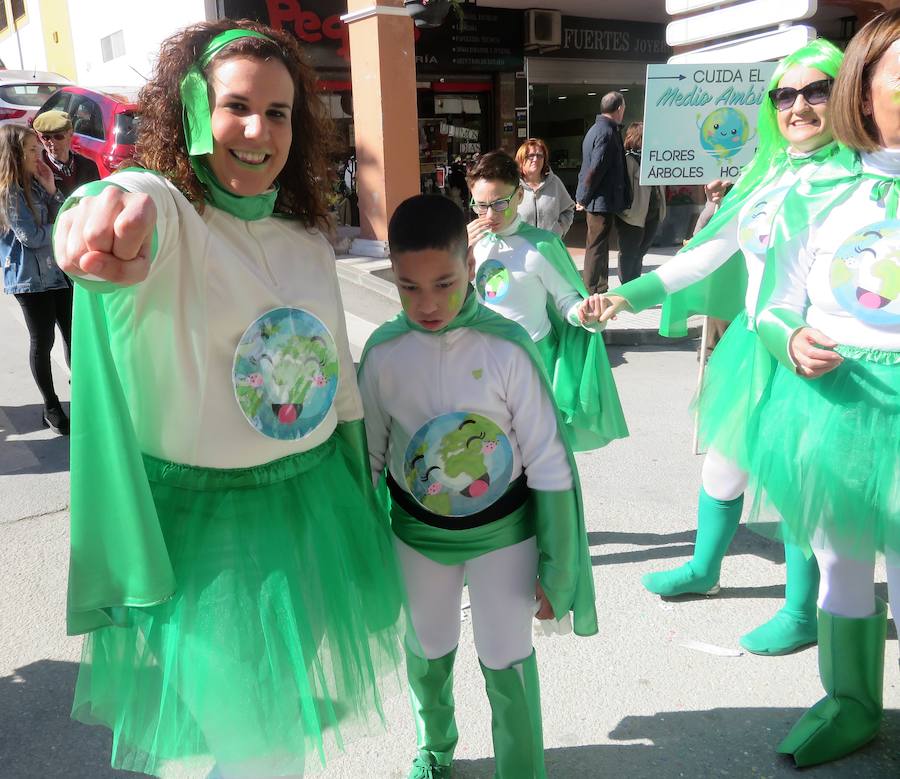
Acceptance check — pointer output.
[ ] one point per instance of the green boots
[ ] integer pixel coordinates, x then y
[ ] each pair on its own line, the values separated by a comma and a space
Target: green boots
794, 626
851, 665
717, 522
515, 698
516, 726
431, 695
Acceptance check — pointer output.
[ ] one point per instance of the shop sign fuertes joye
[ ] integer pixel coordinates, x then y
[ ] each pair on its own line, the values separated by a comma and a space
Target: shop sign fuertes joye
700, 121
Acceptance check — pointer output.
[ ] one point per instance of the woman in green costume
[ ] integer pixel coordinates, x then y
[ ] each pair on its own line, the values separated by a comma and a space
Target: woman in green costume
229, 563
720, 273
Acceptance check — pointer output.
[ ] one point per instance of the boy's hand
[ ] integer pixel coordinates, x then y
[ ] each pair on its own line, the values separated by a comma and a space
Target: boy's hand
545, 610
590, 309
812, 360
477, 229
108, 236
610, 305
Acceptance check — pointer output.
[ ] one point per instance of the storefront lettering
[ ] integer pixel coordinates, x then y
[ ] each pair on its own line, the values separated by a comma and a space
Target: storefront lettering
308, 26
596, 40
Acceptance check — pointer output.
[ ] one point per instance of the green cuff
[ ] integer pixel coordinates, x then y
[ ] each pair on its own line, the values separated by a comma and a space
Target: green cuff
776, 327
91, 189
643, 292
556, 526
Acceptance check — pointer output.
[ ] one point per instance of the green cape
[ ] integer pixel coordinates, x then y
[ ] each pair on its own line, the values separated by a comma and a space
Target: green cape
118, 557
565, 562
576, 360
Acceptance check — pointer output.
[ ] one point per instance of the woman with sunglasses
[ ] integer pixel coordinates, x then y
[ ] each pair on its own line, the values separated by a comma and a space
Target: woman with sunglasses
28, 205
230, 568
719, 273
545, 201
825, 451
527, 275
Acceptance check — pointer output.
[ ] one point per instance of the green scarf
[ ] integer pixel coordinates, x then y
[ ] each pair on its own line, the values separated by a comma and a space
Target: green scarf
194, 91
565, 562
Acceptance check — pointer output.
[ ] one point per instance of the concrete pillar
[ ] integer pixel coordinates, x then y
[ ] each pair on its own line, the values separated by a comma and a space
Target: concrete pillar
385, 120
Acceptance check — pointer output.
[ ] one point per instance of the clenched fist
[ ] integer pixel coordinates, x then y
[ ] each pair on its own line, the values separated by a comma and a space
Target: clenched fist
107, 236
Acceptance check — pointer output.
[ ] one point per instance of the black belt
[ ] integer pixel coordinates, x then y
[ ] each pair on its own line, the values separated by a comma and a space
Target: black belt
514, 498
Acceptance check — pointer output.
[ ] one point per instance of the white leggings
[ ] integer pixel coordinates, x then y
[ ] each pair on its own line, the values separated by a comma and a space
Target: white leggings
501, 593
847, 585
722, 479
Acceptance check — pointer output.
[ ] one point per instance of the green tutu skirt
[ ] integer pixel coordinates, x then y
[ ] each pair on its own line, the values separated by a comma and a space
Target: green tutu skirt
826, 460
284, 619
736, 378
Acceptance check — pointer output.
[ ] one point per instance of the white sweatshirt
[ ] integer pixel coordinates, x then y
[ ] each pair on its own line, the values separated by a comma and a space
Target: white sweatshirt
175, 334
413, 379
529, 277
843, 275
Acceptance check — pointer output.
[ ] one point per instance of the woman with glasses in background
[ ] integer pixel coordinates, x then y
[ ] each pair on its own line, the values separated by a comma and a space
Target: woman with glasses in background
526, 274
545, 201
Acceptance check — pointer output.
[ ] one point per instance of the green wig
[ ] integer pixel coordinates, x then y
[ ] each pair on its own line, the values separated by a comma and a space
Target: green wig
771, 153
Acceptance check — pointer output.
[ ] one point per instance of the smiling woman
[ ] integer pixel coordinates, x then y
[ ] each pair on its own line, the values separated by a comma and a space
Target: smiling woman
248, 602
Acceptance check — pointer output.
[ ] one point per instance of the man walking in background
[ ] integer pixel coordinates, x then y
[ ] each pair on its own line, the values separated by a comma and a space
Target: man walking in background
603, 187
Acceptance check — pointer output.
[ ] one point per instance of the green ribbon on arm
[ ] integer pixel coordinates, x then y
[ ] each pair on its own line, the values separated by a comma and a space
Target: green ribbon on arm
564, 566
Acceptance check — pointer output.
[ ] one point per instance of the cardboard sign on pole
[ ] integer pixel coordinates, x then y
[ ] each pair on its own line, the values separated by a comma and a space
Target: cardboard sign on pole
700, 120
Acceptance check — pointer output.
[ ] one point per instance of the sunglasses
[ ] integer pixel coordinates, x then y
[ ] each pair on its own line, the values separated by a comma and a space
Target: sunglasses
534, 156
53, 136
498, 206
814, 93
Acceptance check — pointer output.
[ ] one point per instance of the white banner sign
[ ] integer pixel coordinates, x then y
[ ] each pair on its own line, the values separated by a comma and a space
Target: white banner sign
700, 120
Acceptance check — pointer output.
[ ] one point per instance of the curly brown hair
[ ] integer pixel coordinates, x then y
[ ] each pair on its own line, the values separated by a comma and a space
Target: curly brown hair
161, 143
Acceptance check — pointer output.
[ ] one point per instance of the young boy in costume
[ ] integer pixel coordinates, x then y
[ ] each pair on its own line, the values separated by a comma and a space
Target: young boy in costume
460, 419
527, 275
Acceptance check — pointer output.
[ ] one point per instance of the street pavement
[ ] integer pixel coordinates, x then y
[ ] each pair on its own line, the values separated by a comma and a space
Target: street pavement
663, 691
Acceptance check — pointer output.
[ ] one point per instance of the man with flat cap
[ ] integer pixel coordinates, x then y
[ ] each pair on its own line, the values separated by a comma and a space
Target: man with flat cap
70, 170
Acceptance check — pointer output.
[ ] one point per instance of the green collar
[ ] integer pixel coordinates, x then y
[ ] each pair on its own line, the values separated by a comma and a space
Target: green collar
246, 207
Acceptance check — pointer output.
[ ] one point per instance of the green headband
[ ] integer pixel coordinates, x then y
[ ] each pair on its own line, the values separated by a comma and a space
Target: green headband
195, 93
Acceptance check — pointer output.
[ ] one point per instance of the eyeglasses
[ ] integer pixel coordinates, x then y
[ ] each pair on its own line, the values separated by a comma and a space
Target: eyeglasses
534, 156
496, 206
814, 93
53, 136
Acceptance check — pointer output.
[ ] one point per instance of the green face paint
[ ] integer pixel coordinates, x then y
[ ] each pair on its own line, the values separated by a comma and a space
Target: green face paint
455, 300
404, 300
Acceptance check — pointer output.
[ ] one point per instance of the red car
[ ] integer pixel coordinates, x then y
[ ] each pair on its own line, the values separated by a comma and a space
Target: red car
105, 124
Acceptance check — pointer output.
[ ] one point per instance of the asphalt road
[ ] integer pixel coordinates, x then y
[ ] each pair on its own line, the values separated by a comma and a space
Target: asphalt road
663, 691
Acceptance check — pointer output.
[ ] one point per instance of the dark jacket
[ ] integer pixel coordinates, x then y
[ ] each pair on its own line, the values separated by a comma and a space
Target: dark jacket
83, 170
26, 248
603, 184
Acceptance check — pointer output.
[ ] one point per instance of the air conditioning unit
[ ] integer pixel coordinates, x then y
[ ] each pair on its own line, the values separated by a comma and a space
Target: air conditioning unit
543, 28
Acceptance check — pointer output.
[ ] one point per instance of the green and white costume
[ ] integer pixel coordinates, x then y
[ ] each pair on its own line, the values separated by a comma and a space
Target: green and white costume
527, 275
484, 488
824, 453
229, 563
